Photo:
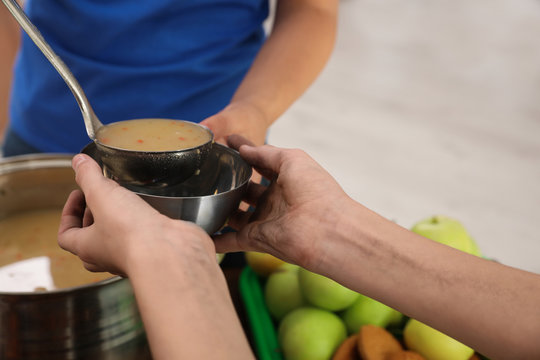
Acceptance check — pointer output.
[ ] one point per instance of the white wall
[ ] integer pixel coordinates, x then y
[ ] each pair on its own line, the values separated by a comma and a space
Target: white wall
433, 107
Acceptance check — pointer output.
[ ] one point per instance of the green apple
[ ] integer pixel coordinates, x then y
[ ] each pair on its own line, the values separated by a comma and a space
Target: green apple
447, 231
324, 292
263, 264
310, 333
366, 311
282, 291
433, 344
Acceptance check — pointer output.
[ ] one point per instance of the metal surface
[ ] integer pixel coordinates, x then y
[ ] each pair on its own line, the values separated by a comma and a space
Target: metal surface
91, 121
207, 198
153, 169
95, 321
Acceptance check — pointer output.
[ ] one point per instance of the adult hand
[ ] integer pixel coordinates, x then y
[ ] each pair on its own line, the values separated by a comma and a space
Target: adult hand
293, 216
108, 226
169, 262
238, 118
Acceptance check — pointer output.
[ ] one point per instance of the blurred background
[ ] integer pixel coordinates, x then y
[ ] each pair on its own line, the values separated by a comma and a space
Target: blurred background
433, 107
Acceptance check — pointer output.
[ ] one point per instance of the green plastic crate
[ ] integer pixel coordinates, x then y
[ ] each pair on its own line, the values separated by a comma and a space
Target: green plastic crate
263, 329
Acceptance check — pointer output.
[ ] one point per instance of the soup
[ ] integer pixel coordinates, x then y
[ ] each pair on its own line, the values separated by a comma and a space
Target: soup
30, 258
153, 135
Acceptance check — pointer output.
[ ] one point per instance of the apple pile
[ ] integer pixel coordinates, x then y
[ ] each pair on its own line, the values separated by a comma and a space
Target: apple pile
316, 315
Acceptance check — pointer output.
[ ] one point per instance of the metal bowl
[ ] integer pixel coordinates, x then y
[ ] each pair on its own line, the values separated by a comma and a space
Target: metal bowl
207, 198
153, 168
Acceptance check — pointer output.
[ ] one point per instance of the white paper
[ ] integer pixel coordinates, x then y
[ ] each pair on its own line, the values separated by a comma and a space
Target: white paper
27, 275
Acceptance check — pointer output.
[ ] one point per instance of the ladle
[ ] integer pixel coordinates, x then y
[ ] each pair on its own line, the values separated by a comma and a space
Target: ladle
128, 167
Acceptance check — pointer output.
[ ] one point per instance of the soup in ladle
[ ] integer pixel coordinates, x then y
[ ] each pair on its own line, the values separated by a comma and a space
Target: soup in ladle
153, 135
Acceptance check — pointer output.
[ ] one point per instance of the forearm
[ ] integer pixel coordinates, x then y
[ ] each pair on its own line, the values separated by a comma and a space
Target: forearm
186, 307
9, 43
488, 306
294, 54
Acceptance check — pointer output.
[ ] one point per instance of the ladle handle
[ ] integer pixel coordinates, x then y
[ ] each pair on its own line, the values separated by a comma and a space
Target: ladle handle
91, 121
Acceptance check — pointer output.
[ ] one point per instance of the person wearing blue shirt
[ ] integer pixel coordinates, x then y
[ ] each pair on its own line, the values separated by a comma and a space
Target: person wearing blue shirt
206, 61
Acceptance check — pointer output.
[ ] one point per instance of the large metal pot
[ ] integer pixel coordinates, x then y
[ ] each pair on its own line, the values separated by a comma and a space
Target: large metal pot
95, 321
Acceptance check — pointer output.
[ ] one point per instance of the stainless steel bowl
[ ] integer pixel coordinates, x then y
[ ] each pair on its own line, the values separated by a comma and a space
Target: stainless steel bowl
153, 168
207, 198
94, 321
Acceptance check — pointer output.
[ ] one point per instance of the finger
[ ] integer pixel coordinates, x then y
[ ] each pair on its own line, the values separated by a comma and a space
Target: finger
97, 268
71, 219
218, 124
88, 218
266, 159
92, 267
266, 173
235, 141
239, 219
90, 178
253, 193
226, 243
73, 211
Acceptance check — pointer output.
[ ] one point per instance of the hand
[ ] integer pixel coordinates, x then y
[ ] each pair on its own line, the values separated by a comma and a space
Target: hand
109, 227
238, 118
292, 214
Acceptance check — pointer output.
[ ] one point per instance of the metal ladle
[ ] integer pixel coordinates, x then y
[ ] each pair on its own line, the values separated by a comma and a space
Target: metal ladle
140, 168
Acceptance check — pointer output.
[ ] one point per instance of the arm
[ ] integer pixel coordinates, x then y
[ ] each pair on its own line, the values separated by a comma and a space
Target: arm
291, 58
491, 307
180, 289
9, 43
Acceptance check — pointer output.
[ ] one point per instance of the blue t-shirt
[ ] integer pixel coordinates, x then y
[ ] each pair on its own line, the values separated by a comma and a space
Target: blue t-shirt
178, 59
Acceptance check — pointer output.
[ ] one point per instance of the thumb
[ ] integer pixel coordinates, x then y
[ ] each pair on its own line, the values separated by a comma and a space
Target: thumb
228, 242
218, 124
89, 177
266, 158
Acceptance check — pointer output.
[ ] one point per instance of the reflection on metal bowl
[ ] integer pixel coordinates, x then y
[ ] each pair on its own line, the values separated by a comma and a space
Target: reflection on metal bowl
94, 321
207, 198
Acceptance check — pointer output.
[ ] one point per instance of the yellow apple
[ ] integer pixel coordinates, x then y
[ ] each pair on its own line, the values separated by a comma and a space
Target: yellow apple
433, 344
263, 264
447, 231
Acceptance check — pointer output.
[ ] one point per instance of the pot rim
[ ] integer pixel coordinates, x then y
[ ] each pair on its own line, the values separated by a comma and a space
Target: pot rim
71, 289
11, 164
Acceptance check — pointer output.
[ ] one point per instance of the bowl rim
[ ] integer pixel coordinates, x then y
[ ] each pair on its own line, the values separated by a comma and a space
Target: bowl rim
223, 193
